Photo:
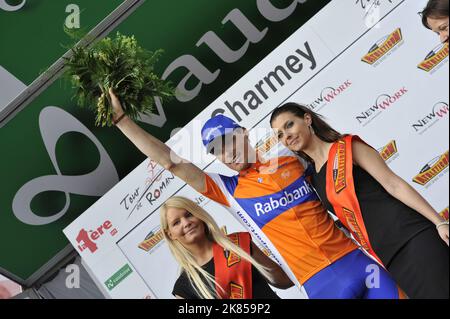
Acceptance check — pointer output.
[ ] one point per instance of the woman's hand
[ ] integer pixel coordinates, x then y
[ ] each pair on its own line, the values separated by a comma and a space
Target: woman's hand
117, 107
443, 232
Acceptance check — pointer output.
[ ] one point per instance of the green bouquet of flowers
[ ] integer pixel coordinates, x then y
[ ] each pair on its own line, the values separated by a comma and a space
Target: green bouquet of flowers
121, 64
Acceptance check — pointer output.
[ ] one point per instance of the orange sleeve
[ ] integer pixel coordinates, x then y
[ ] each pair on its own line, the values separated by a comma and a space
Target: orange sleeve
214, 192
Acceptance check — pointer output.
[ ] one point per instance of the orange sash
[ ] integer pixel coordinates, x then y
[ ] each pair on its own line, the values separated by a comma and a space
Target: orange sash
341, 191
233, 273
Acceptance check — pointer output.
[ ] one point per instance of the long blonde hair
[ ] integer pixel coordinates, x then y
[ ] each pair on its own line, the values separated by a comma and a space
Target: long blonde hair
185, 258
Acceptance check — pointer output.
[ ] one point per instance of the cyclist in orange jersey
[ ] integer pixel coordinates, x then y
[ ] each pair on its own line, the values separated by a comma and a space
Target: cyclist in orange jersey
279, 200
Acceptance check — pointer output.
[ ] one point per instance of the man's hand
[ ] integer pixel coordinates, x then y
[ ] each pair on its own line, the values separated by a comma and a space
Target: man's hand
117, 107
155, 149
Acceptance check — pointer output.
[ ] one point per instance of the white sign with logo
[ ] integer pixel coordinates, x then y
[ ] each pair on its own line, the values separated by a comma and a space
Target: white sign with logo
377, 83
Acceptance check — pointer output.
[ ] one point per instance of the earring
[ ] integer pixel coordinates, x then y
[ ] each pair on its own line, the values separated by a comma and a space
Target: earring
311, 129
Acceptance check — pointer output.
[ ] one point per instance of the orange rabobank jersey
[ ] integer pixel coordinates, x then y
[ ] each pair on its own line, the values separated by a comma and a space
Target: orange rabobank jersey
279, 199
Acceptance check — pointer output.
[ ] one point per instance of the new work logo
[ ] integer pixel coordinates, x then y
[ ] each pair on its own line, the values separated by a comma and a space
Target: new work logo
382, 103
438, 112
328, 95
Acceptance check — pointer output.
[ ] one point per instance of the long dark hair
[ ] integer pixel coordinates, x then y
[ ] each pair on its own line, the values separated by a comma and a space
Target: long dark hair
321, 128
434, 9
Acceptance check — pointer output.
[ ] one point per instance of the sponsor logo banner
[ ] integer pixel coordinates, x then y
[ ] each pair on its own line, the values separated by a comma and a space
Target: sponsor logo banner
87, 239
232, 258
118, 277
383, 47
339, 168
435, 58
353, 224
389, 152
444, 213
237, 291
432, 170
152, 240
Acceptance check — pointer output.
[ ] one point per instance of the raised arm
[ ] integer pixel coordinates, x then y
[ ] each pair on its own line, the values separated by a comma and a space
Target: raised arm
157, 150
279, 278
371, 161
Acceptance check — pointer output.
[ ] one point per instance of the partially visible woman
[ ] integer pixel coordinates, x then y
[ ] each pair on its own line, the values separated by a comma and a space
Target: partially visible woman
435, 18
213, 265
386, 215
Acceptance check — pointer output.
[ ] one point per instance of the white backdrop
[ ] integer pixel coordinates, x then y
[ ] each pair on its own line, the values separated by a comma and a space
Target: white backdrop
391, 102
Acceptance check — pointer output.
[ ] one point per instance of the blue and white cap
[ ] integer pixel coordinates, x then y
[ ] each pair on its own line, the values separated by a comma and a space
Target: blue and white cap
215, 127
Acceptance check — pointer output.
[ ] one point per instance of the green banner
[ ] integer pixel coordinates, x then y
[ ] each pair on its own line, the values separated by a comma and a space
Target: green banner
55, 162
33, 37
